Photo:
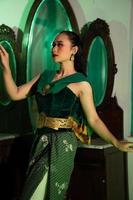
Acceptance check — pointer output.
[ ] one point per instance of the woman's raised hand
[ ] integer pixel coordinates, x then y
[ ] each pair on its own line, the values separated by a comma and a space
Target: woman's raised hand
4, 58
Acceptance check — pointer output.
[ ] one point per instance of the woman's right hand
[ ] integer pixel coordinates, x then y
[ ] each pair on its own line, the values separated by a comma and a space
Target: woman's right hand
4, 58
15, 92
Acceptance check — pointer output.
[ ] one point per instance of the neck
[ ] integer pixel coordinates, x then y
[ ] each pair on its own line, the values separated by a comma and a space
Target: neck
67, 69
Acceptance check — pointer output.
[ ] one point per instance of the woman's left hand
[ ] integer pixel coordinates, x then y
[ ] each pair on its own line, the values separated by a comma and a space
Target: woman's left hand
125, 146
4, 58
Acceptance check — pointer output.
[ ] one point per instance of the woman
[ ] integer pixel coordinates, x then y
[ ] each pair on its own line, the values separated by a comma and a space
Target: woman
66, 107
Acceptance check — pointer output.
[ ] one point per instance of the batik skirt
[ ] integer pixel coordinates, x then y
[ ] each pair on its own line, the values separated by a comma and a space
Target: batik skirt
51, 165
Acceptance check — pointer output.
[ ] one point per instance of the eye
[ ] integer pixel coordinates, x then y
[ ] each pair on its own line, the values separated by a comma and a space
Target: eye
56, 44
53, 44
59, 45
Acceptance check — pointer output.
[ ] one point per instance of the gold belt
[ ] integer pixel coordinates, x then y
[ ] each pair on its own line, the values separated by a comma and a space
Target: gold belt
56, 123
53, 122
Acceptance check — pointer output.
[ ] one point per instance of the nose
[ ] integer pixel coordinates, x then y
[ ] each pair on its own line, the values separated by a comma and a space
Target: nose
54, 49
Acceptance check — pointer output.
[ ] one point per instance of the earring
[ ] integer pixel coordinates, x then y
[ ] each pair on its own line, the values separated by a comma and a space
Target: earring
72, 57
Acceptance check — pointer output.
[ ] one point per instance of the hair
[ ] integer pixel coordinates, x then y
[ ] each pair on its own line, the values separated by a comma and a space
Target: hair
78, 58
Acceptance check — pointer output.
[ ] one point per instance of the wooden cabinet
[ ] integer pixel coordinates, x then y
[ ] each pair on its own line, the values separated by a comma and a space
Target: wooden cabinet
14, 155
99, 174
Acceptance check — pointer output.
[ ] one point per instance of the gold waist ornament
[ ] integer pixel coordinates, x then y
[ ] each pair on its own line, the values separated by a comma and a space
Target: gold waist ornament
53, 122
67, 123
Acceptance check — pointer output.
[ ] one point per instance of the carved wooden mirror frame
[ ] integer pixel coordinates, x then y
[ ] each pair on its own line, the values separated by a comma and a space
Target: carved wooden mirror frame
99, 28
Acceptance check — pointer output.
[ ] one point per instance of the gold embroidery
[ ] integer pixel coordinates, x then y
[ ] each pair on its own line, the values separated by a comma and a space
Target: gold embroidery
56, 123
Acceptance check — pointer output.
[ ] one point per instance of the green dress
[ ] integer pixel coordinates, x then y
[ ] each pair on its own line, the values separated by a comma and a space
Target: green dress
53, 152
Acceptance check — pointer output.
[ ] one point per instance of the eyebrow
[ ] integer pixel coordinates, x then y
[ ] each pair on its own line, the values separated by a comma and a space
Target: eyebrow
58, 41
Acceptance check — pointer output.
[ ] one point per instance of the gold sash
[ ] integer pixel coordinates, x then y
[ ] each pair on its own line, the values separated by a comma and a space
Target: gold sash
57, 123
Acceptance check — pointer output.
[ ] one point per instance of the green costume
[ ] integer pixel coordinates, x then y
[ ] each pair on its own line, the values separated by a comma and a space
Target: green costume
53, 151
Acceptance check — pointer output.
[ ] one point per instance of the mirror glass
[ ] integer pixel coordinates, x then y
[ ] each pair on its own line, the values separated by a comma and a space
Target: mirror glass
97, 69
4, 99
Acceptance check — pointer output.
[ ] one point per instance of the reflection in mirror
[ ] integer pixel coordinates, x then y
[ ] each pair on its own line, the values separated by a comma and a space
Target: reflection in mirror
98, 69
7, 40
46, 19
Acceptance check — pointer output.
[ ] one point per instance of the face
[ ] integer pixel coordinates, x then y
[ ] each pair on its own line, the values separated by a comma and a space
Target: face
62, 49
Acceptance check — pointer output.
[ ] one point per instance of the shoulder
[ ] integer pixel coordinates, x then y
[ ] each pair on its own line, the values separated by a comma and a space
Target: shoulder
81, 80
84, 88
84, 85
81, 88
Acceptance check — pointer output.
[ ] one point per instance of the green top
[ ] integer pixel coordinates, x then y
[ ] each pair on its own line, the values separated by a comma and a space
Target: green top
56, 86
55, 99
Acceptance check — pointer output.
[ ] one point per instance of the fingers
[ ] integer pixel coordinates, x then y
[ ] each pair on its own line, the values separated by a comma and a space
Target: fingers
125, 146
2, 50
4, 56
130, 146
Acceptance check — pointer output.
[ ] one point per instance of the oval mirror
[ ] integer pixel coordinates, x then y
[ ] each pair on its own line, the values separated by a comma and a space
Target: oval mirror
46, 19
4, 99
98, 69
99, 60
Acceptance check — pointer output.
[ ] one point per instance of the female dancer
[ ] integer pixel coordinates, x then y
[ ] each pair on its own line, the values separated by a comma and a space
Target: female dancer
66, 108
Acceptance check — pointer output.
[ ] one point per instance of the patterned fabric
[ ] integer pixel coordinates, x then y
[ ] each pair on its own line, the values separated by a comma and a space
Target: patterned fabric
53, 153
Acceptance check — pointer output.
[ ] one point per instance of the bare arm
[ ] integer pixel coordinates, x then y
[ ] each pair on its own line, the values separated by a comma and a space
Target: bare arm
86, 99
15, 93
